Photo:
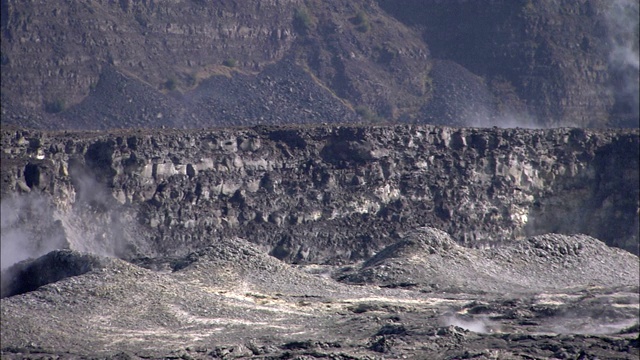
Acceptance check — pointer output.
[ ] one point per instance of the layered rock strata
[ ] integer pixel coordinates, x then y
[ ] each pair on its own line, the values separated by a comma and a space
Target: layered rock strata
316, 194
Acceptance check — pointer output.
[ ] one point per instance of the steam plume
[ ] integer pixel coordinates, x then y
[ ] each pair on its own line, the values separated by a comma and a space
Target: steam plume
623, 27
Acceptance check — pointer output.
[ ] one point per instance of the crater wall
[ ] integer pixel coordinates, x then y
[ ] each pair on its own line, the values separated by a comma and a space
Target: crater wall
321, 194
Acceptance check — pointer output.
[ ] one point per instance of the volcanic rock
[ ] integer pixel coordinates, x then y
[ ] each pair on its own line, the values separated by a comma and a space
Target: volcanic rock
428, 259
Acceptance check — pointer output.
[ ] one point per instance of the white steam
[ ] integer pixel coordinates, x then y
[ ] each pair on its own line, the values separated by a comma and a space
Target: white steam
89, 220
507, 120
589, 326
622, 19
27, 229
478, 325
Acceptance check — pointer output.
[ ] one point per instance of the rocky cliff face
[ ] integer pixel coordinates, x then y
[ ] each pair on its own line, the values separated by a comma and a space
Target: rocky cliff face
151, 57
316, 194
560, 62
106, 64
161, 235
72, 41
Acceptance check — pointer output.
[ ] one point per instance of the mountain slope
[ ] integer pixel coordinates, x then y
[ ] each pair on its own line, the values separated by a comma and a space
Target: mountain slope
503, 63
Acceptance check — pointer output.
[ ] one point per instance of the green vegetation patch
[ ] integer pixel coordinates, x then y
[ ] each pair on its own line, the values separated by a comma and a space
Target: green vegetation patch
230, 63
171, 84
367, 114
361, 21
303, 22
54, 106
385, 54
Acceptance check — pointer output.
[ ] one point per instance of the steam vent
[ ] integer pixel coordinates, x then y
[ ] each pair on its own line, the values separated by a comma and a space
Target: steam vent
301, 179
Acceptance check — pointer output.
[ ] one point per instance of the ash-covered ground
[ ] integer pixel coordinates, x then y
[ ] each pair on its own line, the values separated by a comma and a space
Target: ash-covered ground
140, 245
424, 297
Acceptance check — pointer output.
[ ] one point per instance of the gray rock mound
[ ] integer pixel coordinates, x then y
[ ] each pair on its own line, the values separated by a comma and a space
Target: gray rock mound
425, 240
426, 258
430, 260
234, 263
554, 261
29, 275
230, 299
